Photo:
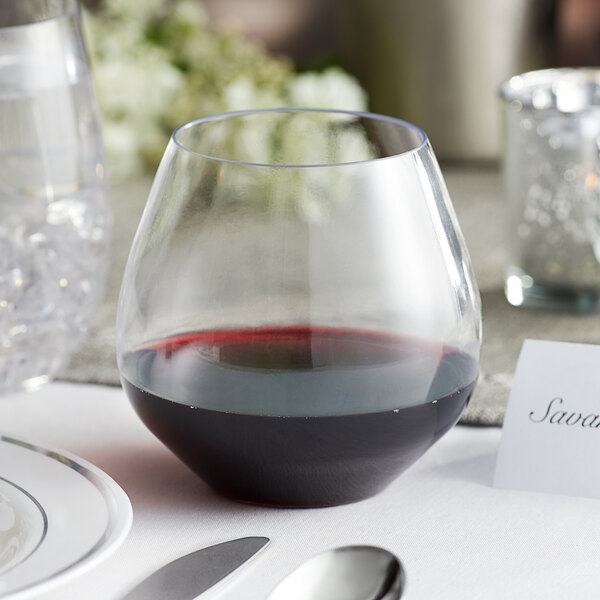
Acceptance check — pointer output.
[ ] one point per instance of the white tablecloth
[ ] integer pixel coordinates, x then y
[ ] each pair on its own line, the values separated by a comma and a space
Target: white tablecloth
457, 536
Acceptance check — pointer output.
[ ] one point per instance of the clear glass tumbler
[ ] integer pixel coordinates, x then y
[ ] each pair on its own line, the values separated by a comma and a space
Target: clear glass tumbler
298, 319
54, 204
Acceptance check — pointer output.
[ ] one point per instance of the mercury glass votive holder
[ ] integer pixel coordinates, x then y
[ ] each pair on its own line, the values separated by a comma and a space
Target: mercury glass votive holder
551, 122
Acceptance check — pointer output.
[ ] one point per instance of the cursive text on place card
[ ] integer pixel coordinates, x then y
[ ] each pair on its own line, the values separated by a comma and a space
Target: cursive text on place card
565, 417
551, 430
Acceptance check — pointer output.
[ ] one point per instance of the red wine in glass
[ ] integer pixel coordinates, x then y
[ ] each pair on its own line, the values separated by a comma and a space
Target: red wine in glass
299, 320
280, 415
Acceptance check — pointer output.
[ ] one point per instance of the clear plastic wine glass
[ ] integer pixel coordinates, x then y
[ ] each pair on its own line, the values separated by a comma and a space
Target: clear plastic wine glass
54, 202
298, 320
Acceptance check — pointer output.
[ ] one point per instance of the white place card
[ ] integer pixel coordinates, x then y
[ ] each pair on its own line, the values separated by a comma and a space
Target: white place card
551, 432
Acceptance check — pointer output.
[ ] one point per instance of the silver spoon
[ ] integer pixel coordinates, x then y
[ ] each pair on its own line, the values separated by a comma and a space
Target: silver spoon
346, 573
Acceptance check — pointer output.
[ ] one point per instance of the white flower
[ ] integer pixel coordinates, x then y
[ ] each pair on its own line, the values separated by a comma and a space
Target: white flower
140, 85
244, 94
120, 139
190, 11
140, 12
331, 89
157, 64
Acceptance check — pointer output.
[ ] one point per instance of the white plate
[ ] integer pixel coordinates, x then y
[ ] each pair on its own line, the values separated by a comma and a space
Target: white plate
59, 515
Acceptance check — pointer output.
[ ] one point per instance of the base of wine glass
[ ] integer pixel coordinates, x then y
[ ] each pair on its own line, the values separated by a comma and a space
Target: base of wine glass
318, 492
297, 462
522, 290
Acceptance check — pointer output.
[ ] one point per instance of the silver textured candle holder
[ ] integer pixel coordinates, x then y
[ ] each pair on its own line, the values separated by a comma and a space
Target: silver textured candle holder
552, 183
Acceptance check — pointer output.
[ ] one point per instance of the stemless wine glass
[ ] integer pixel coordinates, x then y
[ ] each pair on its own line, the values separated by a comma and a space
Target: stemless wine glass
54, 203
298, 320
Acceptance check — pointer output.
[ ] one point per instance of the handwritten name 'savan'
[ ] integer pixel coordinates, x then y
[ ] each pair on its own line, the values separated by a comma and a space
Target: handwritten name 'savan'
565, 417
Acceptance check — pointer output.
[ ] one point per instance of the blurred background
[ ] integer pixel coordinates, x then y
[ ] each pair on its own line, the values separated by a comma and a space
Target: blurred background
436, 63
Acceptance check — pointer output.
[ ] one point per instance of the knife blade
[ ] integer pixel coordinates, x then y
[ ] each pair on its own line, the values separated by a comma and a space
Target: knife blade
187, 577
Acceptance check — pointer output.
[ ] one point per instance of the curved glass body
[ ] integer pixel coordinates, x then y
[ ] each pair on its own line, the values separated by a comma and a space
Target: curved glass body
54, 205
298, 318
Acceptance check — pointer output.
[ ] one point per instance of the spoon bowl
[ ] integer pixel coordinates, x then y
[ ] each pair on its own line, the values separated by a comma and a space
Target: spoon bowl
345, 573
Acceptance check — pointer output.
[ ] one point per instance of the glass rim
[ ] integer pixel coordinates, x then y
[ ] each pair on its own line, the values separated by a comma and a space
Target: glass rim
69, 8
356, 113
522, 87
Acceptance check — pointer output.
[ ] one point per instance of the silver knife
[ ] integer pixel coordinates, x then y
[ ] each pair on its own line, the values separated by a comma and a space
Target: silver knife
187, 577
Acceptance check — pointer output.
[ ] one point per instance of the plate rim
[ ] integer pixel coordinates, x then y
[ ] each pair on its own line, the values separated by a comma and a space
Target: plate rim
120, 516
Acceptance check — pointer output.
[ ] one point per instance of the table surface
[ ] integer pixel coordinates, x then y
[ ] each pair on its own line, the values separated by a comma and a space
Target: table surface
457, 536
